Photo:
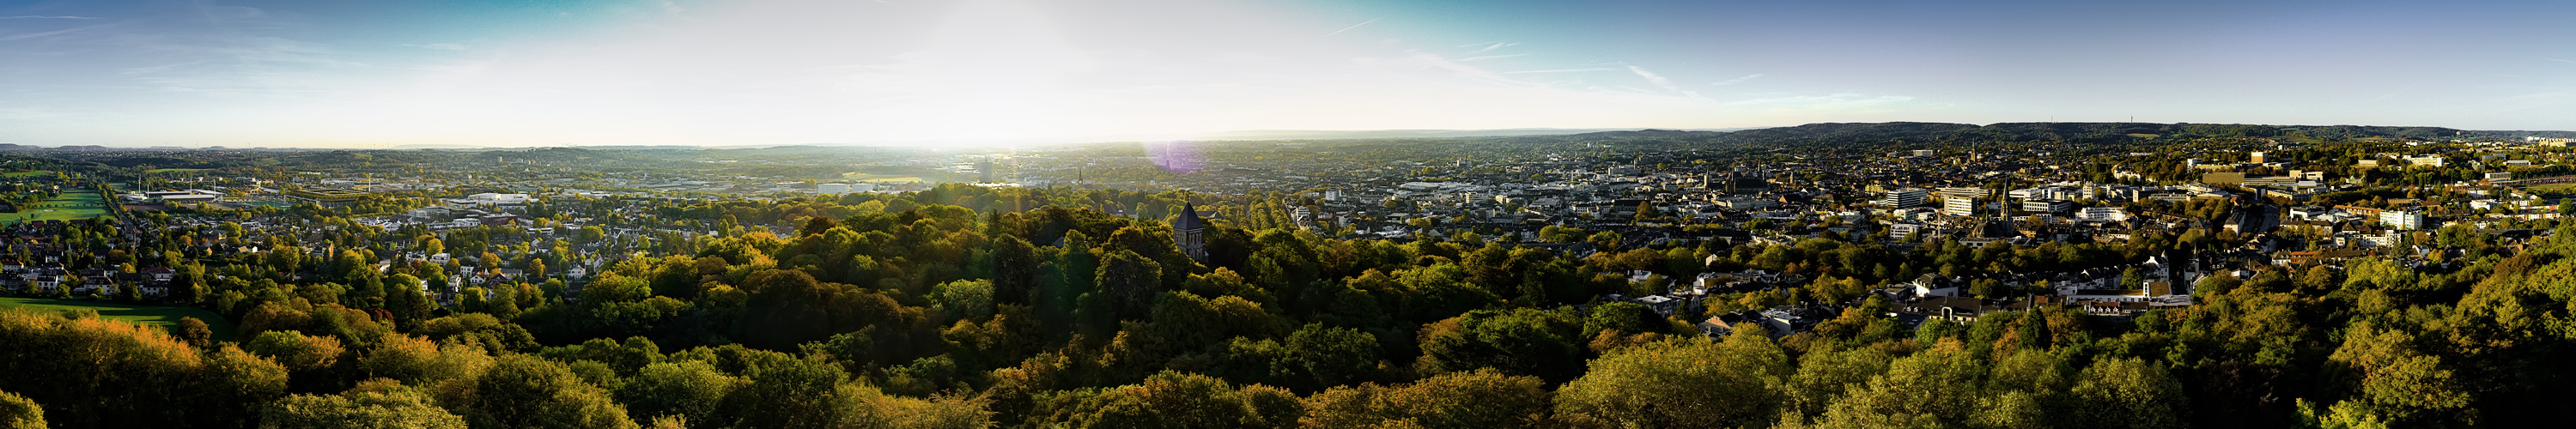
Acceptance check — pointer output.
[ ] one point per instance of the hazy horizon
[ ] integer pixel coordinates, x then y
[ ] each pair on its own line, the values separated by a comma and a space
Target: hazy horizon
924, 73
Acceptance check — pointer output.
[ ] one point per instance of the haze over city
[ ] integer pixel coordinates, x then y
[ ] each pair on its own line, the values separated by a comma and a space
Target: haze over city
895, 72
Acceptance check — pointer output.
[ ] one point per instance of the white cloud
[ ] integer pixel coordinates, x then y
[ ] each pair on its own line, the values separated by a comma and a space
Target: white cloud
1473, 73
1562, 70
1667, 84
25, 36
1739, 80
1354, 26
1816, 103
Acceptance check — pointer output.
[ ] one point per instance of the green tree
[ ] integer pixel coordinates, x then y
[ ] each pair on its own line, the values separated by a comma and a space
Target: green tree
1182, 400
1681, 382
1517, 341
688, 389
385, 405
421, 362
611, 287
2129, 393
16, 412
1478, 399
1132, 282
794, 394
528, 392
194, 331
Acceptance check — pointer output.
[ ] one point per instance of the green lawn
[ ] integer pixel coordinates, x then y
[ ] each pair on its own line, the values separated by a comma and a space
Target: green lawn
26, 174
2554, 189
174, 170
73, 205
146, 314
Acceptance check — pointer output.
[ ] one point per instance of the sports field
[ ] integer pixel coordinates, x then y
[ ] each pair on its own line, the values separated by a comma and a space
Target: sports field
146, 314
73, 205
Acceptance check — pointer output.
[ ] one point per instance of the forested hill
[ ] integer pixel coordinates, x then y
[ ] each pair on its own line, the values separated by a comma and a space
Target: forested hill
2089, 132
914, 311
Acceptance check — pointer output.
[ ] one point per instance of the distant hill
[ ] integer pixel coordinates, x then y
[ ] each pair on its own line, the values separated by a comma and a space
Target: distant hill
2091, 132
1386, 134
2514, 134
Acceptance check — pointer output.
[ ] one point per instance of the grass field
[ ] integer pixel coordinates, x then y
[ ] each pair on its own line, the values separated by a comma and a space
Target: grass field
174, 170
146, 314
74, 205
2554, 188
26, 174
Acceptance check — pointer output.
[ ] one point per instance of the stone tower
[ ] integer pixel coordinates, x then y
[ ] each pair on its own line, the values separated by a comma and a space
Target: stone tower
1190, 233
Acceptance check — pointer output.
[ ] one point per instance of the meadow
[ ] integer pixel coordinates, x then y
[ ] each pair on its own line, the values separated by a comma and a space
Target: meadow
73, 205
146, 314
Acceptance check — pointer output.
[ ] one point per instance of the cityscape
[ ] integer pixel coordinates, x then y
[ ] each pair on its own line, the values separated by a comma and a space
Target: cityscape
1133, 214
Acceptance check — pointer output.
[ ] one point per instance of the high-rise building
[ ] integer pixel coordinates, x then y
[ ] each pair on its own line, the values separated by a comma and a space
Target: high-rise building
1902, 198
2258, 157
984, 169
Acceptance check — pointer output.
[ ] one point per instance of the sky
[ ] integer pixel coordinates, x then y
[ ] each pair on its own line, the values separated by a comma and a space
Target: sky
337, 73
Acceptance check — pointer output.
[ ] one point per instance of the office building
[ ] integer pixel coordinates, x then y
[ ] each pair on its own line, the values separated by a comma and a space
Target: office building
1903, 198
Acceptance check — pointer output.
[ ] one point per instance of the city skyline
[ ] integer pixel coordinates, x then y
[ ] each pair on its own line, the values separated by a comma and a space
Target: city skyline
325, 74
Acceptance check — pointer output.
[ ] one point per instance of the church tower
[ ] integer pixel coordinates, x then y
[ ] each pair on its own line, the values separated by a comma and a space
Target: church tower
1190, 233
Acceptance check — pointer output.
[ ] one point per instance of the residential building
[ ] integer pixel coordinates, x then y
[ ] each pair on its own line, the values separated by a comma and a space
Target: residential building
2402, 219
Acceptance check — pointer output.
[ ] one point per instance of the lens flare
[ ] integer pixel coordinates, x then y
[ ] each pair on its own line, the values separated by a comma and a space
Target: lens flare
1178, 156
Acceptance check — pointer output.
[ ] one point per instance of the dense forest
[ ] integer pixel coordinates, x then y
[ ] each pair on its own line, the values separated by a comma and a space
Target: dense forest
918, 311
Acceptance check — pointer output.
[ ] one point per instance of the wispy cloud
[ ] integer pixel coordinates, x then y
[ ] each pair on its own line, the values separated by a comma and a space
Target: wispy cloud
1657, 79
1468, 72
2558, 60
1488, 57
50, 33
1491, 48
133, 71
47, 17
1561, 70
1667, 84
1354, 26
441, 46
1835, 102
1739, 80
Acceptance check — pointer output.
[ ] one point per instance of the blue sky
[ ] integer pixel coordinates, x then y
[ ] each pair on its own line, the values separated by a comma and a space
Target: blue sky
519, 73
